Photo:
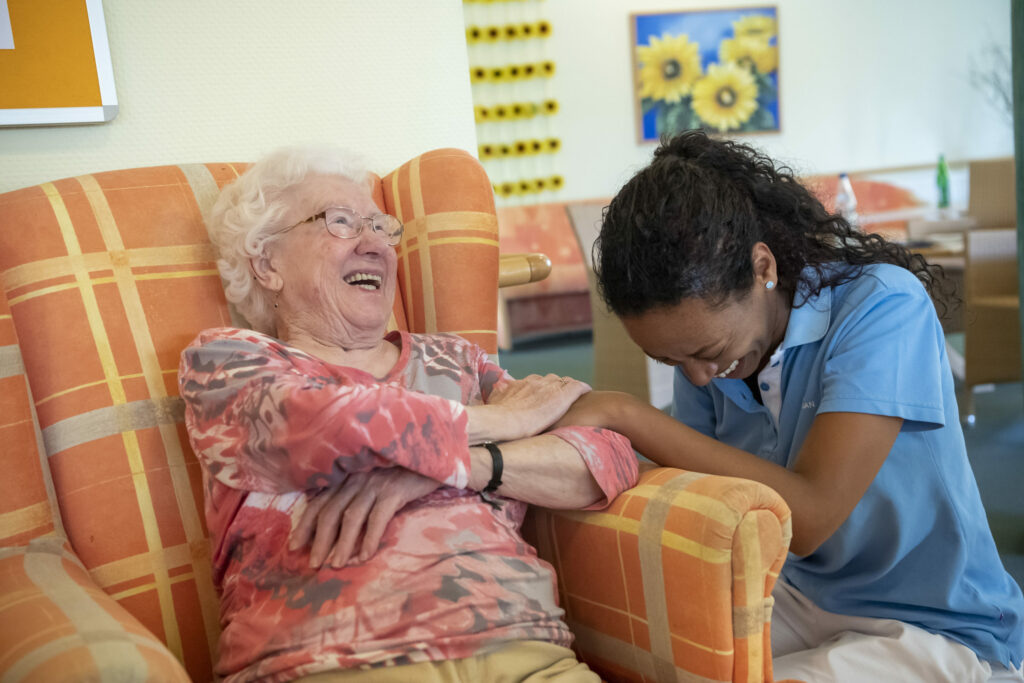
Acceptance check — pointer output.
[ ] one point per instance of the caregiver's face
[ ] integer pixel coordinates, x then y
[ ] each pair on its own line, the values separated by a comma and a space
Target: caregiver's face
732, 340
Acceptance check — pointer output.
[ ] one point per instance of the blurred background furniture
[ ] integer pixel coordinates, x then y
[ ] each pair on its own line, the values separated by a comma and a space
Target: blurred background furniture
941, 241
992, 197
992, 341
104, 556
555, 305
991, 325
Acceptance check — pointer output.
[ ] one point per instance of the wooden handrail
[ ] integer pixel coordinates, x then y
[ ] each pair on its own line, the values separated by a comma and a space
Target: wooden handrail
520, 269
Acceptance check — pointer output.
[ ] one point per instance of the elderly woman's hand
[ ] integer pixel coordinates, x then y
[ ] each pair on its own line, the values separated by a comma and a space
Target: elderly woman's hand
362, 505
522, 408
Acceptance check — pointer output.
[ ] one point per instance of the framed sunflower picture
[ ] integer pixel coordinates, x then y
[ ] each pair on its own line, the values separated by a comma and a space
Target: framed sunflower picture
712, 69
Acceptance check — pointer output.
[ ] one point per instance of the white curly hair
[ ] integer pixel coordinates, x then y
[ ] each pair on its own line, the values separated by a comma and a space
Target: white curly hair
247, 217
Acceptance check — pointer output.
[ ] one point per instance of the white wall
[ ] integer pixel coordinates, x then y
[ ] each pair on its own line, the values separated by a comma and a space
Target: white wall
864, 84
231, 79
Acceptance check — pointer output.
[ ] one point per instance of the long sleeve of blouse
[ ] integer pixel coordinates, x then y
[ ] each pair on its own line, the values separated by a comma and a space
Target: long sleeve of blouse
264, 416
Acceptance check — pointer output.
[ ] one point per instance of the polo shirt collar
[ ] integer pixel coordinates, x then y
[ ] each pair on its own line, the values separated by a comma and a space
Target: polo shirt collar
808, 322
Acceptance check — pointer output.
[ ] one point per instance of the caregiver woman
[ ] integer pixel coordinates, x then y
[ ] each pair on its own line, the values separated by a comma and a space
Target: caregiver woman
809, 357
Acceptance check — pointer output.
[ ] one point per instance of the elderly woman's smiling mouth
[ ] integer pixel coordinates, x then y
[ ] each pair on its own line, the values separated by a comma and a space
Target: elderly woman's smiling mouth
365, 280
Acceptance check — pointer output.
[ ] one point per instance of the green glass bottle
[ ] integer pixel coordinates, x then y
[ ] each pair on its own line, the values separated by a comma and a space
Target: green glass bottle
942, 180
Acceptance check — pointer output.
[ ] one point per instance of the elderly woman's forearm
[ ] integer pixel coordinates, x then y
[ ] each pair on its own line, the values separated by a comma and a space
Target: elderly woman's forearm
488, 423
568, 471
541, 470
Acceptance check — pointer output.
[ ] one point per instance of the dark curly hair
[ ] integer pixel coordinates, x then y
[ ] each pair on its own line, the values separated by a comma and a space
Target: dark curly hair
685, 227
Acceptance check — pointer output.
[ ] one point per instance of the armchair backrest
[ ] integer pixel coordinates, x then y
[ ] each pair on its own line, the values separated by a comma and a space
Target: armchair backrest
106, 278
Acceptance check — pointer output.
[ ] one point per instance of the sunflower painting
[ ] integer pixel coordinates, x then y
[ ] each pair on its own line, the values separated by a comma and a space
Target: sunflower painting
716, 69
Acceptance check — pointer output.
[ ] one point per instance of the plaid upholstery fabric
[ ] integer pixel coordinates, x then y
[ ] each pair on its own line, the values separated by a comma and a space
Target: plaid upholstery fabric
28, 505
448, 258
108, 277
673, 581
56, 625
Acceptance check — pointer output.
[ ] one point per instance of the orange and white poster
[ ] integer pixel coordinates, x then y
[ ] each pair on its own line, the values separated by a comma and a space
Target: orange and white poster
54, 63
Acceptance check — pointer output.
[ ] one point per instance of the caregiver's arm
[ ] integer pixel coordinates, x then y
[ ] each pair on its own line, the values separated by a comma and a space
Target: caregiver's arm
837, 462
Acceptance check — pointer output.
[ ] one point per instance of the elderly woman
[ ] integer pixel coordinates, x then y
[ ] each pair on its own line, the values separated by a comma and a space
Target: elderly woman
380, 448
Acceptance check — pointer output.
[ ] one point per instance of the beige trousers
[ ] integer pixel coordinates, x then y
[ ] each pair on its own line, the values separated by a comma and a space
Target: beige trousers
527, 661
810, 644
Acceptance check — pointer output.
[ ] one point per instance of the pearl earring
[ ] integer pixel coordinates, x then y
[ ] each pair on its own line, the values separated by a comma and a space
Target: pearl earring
769, 285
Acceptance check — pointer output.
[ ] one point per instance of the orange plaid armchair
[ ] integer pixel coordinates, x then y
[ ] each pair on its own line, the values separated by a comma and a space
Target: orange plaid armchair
104, 557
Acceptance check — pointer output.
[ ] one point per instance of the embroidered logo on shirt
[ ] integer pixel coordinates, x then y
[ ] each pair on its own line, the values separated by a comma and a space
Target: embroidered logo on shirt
808, 404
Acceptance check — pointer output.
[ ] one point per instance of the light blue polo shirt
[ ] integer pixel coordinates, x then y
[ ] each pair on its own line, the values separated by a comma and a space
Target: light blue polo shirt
917, 547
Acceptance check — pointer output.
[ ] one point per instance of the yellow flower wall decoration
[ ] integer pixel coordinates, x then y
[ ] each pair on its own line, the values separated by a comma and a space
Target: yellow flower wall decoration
750, 53
668, 67
714, 69
759, 26
726, 98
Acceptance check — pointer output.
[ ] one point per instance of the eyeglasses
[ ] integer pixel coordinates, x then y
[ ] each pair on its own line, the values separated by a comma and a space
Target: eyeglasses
345, 223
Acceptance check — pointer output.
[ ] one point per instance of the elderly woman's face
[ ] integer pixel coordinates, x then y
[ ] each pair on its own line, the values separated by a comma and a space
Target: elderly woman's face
344, 285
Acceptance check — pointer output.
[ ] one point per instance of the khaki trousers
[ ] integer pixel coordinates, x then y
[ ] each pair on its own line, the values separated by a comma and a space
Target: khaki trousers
527, 661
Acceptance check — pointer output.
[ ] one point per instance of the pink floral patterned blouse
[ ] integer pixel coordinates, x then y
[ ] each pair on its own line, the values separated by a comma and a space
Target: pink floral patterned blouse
453, 576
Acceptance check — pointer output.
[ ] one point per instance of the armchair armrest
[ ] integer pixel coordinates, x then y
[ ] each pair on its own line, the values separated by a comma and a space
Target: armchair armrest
674, 579
519, 269
57, 625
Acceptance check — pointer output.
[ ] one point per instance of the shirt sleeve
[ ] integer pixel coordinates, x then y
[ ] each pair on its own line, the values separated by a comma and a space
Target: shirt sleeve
607, 454
693, 406
887, 357
489, 374
260, 422
609, 457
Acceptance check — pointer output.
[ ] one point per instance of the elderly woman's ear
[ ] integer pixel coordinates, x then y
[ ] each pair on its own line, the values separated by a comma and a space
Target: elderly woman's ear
265, 274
